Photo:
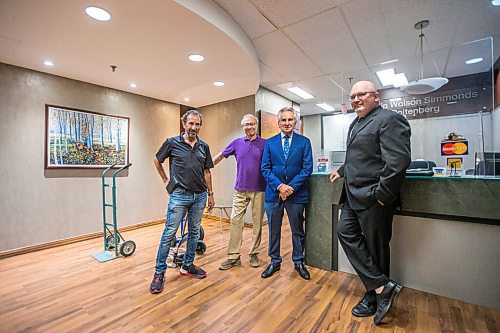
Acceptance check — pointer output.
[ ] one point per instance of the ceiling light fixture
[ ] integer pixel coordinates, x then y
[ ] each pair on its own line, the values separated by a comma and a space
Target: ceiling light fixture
219, 83
196, 57
399, 80
48, 63
98, 14
186, 99
388, 62
300, 92
326, 107
421, 85
474, 61
133, 85
386, 76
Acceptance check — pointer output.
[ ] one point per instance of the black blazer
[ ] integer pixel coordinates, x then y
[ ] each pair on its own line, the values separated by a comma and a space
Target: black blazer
377, 156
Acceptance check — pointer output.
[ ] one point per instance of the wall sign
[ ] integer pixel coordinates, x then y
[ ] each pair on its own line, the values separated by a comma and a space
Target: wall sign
454, 148
462, 95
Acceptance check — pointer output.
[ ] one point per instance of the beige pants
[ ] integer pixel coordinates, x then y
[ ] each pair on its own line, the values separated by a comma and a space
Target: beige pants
241, 199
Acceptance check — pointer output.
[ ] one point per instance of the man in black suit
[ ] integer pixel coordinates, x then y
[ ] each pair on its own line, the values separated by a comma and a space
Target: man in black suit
377, 156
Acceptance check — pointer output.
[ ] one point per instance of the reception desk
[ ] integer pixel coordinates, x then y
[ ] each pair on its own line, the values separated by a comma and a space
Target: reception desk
446, 233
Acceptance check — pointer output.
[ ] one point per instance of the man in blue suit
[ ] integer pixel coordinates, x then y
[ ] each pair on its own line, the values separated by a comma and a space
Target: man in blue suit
286, 165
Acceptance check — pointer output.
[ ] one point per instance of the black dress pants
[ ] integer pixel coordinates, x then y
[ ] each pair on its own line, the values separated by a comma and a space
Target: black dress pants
365, 235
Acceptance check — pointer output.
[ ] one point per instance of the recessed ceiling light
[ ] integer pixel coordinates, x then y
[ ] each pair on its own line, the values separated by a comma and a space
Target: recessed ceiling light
98, 13
133, 85
326, 107
300, 92
474, 61
196, 57
48, 63
219, 83
495, 2
186, 99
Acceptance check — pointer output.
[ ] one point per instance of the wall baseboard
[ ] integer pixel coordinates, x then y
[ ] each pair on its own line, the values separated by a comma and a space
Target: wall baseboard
66, 241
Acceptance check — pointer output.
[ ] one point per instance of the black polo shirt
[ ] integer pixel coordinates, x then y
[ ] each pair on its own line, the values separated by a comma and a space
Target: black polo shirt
187, 164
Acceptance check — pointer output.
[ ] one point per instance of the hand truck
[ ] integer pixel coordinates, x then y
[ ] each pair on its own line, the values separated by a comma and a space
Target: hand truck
177, 249
111, 235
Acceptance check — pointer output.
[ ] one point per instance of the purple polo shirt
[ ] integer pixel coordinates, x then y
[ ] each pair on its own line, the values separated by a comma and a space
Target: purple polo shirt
248, 156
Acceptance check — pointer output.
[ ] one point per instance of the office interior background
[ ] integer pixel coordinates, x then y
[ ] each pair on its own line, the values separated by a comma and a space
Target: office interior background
136, 65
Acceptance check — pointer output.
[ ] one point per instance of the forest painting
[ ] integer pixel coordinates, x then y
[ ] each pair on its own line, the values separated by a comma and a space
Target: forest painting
83, 139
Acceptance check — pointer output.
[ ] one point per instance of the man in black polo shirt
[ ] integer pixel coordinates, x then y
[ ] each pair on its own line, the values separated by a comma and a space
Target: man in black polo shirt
189, 185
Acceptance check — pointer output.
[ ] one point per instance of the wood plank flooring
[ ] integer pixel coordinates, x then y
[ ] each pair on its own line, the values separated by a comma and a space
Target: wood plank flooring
64, 289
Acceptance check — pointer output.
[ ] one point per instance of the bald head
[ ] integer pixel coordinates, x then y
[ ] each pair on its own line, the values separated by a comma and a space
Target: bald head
364, 86
364, 98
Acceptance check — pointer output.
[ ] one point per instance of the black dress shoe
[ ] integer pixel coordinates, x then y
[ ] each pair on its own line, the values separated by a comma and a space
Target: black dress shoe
385, 299
301, 268
270, 270
364, 308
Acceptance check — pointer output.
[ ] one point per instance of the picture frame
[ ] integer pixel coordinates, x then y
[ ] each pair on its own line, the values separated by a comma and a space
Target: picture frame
77, 138
269, 124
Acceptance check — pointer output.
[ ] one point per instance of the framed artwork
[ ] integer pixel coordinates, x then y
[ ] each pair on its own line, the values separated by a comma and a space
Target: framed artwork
269, 125
83, 139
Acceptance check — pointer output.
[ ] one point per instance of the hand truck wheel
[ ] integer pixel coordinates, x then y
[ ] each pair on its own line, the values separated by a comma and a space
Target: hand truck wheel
200, 248
202, 233
110, 240
127, 248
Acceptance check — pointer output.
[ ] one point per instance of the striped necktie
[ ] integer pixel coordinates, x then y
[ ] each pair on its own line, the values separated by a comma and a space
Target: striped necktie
286, 146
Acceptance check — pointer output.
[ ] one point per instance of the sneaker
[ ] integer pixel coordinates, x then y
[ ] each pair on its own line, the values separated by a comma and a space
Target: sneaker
254, 260
193, 271
230, 263
156, 286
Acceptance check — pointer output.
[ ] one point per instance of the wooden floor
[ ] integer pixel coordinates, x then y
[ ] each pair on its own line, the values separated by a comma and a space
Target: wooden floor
64, 289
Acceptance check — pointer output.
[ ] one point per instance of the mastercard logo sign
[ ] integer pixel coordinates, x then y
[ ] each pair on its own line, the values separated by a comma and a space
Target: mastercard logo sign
454, 148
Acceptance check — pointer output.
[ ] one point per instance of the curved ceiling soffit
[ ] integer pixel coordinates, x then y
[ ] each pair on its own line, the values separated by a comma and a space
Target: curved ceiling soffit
212, 13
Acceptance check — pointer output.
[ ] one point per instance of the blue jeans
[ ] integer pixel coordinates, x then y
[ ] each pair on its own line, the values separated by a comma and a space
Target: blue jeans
181, 201
295, 211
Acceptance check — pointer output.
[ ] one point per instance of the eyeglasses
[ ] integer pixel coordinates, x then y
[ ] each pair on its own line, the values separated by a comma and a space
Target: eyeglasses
249, 124
361, 94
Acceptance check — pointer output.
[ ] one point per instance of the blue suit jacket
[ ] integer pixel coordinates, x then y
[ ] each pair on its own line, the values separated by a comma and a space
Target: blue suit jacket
294, 171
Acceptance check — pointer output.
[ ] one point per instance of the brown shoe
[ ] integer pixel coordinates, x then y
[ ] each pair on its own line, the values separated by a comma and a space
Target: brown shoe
229, 263
254, 260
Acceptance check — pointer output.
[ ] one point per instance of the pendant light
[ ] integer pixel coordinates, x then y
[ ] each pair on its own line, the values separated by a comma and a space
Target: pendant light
423, 85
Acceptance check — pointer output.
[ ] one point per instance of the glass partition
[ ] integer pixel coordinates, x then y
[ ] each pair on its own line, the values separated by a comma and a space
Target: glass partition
451, 126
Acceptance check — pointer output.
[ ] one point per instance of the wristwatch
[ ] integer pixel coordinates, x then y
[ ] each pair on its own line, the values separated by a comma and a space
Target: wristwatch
210, 193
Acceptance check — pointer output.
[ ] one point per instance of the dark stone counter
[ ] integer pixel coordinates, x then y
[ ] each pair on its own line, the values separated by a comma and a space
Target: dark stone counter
474, 200
462, 199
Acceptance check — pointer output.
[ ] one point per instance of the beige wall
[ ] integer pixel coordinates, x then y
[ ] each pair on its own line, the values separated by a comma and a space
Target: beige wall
221, 125
40, 205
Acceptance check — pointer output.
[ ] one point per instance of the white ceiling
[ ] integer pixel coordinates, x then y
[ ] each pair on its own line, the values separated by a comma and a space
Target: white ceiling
314, 44
149, 41
318, 44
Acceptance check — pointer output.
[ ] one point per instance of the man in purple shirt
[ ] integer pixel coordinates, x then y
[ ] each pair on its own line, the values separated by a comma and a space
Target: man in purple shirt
249, 187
